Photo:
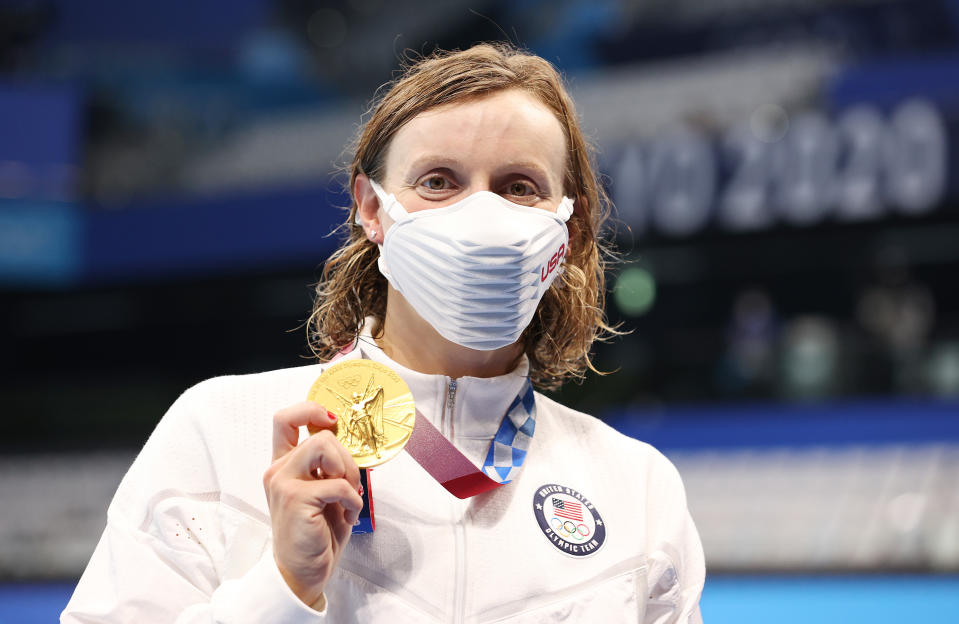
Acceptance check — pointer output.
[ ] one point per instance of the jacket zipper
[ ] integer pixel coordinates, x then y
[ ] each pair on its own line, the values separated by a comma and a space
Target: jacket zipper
450, 407
459, 590
459, 530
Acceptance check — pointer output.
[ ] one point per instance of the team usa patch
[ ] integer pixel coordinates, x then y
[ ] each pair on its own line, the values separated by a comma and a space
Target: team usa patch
569, 520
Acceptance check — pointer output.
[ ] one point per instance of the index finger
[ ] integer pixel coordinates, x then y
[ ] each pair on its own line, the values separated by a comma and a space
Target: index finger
287, 423
349, 462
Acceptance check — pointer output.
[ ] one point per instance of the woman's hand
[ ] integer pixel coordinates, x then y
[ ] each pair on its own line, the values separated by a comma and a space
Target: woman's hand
312, 493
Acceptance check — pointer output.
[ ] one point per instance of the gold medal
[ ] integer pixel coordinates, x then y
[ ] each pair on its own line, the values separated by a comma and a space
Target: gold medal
373, 406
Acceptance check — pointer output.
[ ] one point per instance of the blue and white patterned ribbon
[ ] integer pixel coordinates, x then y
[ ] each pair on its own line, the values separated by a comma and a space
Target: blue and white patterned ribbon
508, 449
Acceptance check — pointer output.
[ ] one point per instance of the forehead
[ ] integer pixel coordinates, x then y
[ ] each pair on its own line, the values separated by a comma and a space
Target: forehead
507, 126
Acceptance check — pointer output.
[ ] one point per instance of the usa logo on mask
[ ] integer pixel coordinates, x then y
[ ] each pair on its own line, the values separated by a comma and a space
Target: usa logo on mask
554, 260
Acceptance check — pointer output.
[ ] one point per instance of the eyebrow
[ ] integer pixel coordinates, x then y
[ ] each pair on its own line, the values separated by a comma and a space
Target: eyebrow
433, 160
529, 165
437, 160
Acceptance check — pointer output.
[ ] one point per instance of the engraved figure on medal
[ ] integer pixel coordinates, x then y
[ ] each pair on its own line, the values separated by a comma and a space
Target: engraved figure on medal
374, 406
364, 425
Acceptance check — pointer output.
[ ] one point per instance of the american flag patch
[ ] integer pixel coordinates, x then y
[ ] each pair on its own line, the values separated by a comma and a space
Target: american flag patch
568, 509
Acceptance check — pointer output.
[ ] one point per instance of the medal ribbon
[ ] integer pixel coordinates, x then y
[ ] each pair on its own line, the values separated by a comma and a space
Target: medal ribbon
445, 463
453, 470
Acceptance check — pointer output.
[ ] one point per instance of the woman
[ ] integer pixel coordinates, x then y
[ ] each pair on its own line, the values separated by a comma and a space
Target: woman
472, 267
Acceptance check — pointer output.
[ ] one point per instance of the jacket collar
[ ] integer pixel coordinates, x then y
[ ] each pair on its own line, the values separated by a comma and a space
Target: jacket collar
478, 403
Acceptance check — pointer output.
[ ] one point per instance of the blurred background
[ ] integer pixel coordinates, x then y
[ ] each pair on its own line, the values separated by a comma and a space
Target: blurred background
787, 208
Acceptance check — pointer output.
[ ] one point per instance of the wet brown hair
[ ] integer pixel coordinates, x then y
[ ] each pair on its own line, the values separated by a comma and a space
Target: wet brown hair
570, 316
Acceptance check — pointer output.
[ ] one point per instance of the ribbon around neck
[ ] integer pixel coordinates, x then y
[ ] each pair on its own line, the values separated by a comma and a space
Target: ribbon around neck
453, 470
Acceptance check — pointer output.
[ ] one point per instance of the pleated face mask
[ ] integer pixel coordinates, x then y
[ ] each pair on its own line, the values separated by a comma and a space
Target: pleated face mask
474, 270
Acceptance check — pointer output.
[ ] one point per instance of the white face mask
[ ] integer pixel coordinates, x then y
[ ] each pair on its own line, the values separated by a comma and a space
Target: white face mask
474, 270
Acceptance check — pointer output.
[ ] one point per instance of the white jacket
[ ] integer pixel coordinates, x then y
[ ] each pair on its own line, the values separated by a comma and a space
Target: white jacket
188, 534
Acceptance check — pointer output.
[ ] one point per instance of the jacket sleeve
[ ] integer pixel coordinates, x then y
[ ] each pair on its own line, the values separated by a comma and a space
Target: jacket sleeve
178, 549
677, 568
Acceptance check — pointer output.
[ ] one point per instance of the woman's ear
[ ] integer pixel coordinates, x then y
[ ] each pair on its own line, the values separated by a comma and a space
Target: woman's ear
367, 208
580, 212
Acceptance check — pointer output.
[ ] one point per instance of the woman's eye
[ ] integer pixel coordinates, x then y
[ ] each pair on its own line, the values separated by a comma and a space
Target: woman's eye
521, 189
435, 183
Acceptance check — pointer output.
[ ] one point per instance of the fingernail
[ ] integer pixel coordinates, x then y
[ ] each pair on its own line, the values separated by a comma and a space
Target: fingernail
331, 415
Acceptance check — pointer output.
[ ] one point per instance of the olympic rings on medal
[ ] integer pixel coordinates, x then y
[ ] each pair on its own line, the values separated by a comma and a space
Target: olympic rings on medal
566, 529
